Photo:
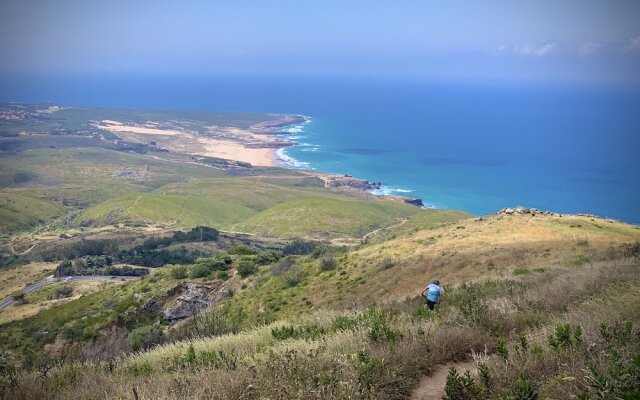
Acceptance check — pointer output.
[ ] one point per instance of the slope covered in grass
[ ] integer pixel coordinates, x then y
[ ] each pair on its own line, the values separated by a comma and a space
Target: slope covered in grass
324, 216
382, 353
467, 250
19, 212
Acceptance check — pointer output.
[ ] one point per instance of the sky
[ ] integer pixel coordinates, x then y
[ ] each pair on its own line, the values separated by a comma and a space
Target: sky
584, 41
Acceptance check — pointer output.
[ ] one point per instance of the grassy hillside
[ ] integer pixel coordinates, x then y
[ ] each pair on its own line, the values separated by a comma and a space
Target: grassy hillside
111, 187
323, 216
18, 212
468, 250
514, 330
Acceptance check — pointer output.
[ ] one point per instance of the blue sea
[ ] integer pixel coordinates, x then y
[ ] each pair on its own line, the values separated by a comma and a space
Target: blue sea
473, 147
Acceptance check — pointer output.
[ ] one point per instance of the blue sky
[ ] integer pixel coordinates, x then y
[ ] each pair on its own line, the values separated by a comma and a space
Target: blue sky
515, 40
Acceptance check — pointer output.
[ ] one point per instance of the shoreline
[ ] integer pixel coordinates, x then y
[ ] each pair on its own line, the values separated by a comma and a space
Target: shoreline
374, 188
262, 144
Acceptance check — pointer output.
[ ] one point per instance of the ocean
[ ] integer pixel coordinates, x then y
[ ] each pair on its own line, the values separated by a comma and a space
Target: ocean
477, 148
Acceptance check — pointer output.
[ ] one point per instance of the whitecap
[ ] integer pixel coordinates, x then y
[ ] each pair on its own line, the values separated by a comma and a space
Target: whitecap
290, 162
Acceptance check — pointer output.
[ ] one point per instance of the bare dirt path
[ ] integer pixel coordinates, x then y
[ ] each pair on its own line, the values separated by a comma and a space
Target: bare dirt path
431, 387
184, 207
365, 238
23, 253
135, 203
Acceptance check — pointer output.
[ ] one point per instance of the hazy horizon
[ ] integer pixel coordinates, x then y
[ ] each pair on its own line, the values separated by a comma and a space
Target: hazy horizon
501, 42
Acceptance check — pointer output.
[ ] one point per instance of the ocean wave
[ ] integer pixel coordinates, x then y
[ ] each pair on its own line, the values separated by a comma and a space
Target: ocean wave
388, 191
290, 162
295, 129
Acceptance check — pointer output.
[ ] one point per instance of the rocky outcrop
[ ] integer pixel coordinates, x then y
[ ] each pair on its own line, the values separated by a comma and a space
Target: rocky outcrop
188, 299
414, 201
526, 211
349, 181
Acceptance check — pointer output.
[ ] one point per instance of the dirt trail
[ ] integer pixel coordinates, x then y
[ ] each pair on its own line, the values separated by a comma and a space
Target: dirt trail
365, 238
24, 253
135, 203
432, 387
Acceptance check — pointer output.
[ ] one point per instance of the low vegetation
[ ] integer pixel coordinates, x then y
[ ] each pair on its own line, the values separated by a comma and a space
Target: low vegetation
569, 333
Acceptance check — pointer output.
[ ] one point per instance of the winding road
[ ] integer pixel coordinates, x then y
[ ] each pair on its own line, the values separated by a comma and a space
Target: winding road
7, 301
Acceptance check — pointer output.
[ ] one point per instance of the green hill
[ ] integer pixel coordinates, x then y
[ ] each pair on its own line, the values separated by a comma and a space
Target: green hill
323, 216
19, 212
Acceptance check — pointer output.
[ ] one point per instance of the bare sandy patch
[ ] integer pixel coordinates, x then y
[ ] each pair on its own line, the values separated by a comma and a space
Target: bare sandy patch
143, 130
263, 157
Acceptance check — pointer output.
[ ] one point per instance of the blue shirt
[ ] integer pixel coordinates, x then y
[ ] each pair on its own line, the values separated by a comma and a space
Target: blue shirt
433, 292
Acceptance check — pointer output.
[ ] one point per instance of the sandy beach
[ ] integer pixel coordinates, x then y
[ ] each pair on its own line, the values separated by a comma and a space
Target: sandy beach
251, 145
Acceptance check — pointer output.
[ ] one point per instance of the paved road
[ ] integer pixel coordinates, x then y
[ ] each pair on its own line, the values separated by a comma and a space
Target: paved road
50, 279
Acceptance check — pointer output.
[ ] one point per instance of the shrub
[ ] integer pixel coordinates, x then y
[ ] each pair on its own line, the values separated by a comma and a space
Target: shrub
268, 257
524, 389
215, 263
344, 323
380, 326
299, 247
521, 271
200, 270
283, 265
501, 349
293, 332
63, 292
241, 251
223, 275
327, 263
145, 337
247, 267
294, 277
460, 387
179, 272
564, 338
386, 263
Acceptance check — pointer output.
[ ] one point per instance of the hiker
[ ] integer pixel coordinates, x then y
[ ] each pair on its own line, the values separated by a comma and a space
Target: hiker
432, 293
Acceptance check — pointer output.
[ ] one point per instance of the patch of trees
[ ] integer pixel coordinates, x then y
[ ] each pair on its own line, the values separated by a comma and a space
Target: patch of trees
151, 253
204, 267
299, 247
197, 234
158, 258
97, 265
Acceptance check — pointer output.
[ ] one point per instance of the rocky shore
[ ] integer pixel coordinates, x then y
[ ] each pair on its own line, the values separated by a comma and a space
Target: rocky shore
272, 127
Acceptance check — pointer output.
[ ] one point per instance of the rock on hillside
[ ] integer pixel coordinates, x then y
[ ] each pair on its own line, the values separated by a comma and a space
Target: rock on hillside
187, 299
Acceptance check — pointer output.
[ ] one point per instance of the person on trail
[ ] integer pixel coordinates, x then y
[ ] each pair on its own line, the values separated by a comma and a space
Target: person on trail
432, 294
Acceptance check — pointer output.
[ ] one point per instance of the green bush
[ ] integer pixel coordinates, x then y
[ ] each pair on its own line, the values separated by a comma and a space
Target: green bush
247, 267
522, 271
145, 337
223, 275
200, 270
179, 272
564, 337
241, 251
268, 257
460, 387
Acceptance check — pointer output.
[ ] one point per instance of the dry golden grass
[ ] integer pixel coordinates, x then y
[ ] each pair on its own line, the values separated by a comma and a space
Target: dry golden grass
350, 364
473, 250
15, 278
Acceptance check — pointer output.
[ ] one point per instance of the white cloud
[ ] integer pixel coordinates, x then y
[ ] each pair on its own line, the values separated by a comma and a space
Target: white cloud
589, 48
632, 44
535, 49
